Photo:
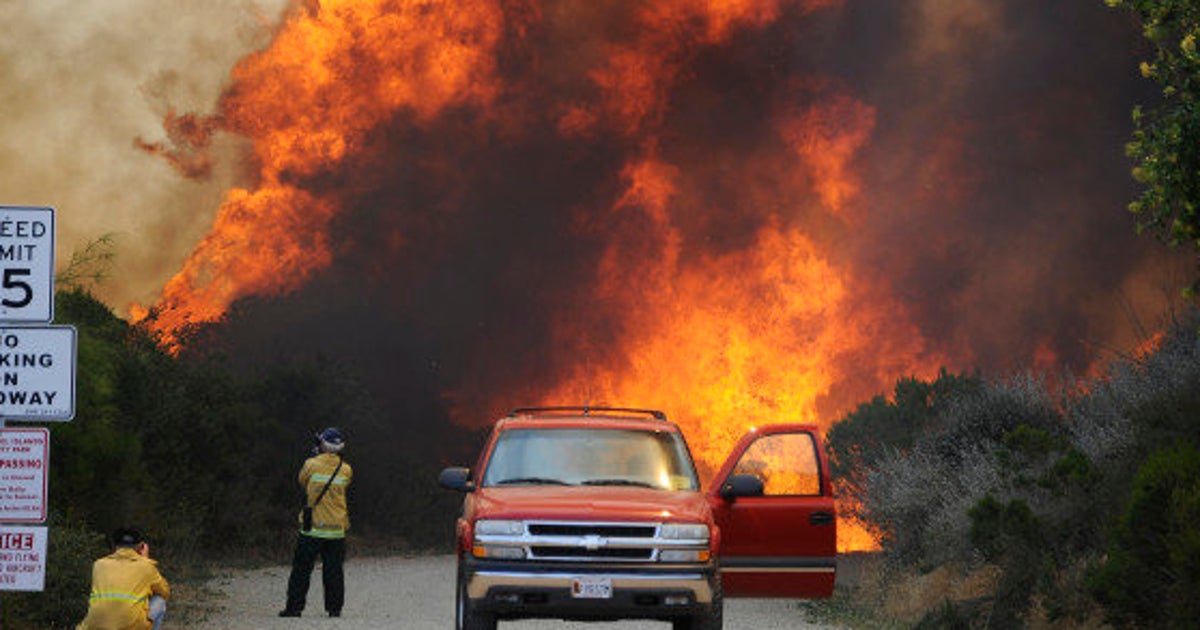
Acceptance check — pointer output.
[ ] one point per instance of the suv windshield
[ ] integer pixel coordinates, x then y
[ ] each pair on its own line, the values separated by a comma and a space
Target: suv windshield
574, 456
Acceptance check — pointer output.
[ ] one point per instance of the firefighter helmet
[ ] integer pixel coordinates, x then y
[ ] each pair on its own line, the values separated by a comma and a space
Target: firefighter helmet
331, 440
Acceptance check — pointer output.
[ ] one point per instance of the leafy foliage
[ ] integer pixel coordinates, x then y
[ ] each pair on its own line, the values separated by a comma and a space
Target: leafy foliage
1166, 140
1009, 534
866, 435
921, 496
879, 428
997, 528
1152, 577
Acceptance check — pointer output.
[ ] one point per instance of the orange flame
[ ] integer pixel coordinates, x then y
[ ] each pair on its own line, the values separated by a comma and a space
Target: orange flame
826, 138
295, 102
778, 328
753, 336
855, 535
1150, 344
761, 334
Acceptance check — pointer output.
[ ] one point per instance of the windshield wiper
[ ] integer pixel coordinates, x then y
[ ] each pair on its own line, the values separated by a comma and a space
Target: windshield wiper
532, 481
616, 482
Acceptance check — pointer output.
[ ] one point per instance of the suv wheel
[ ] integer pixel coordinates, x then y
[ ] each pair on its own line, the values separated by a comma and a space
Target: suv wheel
711, 619
465, 615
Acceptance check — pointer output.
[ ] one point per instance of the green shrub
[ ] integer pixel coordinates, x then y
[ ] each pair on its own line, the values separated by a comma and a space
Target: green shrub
1010, 535
920, 496
1031, 442
875, 428
998, 529
1152, 575
1073, 466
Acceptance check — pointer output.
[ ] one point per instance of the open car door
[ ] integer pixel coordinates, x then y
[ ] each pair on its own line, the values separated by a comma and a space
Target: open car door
773, 503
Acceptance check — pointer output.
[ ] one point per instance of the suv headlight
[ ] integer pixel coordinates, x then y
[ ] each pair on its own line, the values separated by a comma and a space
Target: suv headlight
498, 552
684, 531
684, 555
493, 527
489, 527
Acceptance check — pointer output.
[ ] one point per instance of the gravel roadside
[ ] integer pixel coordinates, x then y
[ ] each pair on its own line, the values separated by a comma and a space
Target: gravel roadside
410, 593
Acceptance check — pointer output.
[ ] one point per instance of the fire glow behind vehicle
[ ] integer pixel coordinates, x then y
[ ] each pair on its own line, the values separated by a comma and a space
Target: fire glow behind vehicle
597, 513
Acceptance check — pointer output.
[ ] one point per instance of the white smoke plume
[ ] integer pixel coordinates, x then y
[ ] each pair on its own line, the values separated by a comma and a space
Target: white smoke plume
81, 84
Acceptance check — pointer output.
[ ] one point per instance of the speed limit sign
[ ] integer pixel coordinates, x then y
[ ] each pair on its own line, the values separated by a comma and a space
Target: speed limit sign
26, 264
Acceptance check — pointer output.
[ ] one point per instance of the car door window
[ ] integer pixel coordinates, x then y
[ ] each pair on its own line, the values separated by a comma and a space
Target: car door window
786, 463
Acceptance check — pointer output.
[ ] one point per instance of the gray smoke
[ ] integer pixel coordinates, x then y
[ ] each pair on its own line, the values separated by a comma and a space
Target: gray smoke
993, 182
81, 83
994, 186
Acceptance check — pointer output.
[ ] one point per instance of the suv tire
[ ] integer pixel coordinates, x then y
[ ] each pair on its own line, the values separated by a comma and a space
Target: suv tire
710, 619
465, 615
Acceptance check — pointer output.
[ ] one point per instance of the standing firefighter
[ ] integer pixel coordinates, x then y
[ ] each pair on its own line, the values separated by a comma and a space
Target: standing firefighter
128, 592
323, 524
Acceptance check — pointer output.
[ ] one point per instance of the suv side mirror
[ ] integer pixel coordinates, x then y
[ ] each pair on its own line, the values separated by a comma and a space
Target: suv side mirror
456, 478
742, 486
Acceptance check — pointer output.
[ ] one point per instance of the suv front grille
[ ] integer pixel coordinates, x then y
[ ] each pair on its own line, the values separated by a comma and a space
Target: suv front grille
590, 529
545, 552
581, 541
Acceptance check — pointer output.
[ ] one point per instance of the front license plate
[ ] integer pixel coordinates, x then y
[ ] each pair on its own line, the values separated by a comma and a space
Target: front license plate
592, 587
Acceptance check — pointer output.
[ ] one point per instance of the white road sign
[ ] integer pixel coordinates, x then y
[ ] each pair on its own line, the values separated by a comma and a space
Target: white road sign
37, 373
22, 558
24, 471
26, 264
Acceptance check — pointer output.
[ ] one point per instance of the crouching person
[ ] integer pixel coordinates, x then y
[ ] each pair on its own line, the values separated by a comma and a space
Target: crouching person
128, 592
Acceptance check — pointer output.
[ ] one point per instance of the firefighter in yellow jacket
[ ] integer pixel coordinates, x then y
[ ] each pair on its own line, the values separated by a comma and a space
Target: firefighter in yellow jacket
128, 592
325, 477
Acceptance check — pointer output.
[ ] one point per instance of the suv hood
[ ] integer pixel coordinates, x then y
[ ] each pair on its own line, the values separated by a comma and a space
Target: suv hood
590, 503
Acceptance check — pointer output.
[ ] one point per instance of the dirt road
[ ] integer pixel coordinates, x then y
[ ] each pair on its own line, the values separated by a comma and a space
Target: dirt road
412, 594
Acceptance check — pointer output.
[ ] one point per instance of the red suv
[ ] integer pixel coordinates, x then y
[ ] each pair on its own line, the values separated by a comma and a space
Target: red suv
598, 514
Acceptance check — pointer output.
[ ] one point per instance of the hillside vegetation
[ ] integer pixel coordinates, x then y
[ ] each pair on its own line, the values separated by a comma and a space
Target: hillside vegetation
201, 453
999, 502
1065, 506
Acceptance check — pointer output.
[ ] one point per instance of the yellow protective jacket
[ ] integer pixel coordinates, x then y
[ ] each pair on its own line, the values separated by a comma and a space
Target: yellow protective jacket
122, 583
330, 517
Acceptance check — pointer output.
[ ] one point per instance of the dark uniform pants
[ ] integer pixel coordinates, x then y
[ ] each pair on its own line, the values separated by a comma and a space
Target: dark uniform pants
333, 555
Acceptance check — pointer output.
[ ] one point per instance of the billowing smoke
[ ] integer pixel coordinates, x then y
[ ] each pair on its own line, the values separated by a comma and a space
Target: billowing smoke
998, 177
82, 84
783, 205
737, 211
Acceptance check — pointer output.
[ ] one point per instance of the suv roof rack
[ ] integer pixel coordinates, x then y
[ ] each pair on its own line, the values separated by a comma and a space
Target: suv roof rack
588, 411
